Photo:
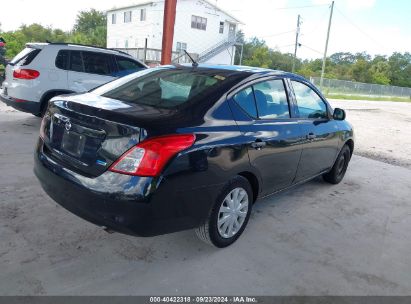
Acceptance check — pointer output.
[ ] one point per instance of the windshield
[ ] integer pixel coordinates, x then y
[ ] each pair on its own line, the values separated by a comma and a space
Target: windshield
164, 88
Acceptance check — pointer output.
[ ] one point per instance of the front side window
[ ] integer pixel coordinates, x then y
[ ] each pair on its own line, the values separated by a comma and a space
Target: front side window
96, 63
271, 99
199, 23
309, 104
113, 18
164, 88
127, 17
143, 14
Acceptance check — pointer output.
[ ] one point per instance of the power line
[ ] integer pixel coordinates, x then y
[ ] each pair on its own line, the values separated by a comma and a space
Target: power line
360, 30
278, 34
298, 7
286, 8
323, 18
310, 48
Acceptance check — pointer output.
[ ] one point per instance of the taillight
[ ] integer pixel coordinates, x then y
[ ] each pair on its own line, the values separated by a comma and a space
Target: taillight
25, 74
150, 156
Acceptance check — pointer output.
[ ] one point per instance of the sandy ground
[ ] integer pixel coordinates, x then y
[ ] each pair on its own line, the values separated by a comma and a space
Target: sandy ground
382, 129
317, 239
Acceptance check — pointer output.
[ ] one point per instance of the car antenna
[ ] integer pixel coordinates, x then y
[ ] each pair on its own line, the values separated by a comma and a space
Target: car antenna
194, 64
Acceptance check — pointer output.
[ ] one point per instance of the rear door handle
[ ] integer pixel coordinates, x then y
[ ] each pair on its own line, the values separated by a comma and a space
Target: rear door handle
258, 145
311, 136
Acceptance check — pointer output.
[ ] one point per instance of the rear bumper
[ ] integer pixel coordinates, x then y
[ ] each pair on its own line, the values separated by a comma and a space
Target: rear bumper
32, 107
132, 205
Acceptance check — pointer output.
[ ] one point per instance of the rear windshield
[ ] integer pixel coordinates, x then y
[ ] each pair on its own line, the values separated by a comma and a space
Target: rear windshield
25, 57
164, 88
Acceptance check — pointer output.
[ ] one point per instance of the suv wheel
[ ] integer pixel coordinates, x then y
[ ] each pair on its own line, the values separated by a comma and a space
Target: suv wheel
230, 214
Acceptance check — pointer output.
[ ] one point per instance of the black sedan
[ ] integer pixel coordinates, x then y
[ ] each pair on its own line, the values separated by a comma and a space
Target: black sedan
183, 147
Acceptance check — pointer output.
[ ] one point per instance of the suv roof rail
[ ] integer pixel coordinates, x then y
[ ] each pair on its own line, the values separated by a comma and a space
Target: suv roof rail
87, 45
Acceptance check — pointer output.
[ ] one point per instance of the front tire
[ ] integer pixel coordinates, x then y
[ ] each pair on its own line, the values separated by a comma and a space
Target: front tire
230, 214
337, 172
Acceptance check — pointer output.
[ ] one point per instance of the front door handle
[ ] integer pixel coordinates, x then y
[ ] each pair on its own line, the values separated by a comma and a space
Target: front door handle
311, 136
258, 145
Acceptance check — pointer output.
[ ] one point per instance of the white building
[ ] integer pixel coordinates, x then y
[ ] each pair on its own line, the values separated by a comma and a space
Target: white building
201, 28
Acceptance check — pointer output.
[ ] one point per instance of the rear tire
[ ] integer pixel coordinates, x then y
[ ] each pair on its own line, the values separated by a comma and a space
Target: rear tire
337, 172
230, 214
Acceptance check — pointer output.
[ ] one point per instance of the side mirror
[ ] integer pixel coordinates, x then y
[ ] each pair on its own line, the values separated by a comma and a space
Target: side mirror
339, 114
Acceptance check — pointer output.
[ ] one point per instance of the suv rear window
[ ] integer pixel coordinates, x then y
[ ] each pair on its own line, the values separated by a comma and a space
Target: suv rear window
165, 88
25, 57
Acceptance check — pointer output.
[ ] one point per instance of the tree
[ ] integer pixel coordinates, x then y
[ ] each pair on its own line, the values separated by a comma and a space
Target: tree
91, 28
400, 69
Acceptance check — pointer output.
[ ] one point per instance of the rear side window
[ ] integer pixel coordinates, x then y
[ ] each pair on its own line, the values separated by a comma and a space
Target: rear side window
165, 88
125, 64
245, 99
271, 99
62, 59
86, 62
309, 104
96, 63
25, 57
264, 100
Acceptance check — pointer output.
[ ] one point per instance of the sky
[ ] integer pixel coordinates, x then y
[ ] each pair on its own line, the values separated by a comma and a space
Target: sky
374, 26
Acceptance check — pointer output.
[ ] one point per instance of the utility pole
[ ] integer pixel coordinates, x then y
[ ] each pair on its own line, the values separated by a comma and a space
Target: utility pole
326, 45
168, 30
297, 33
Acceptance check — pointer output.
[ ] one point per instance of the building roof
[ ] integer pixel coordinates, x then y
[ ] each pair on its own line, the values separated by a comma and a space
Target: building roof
129, 6
151, 2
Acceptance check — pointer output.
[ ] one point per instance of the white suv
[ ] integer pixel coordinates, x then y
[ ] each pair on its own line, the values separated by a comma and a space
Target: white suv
44, 70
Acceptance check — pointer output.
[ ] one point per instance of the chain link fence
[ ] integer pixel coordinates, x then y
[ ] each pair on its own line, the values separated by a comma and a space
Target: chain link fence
344, 87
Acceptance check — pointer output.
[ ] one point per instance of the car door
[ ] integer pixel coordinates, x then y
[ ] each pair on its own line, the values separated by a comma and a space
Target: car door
88, 70
320, 141
272, 134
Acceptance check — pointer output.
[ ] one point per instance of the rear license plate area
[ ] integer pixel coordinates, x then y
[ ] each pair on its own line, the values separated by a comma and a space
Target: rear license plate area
73, 143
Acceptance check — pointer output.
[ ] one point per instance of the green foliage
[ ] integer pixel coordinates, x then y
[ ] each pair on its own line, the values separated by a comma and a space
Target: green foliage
90, 28
361, 67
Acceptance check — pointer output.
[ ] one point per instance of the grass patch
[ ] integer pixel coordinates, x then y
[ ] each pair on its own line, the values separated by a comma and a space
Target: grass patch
372, 98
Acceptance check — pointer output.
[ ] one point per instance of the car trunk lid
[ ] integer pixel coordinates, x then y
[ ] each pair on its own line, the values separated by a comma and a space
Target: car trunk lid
88, 137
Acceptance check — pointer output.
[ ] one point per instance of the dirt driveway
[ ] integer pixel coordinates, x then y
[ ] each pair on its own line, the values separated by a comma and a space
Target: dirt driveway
317, 239
382, 129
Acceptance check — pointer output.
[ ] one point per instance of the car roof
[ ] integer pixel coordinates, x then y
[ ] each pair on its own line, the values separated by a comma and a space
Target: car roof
41, 45
246, 69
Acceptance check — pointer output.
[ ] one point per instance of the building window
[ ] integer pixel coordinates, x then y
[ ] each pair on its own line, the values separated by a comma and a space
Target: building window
143, 14
221, 30
198, 23
127, 17
181, 47
113, 18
